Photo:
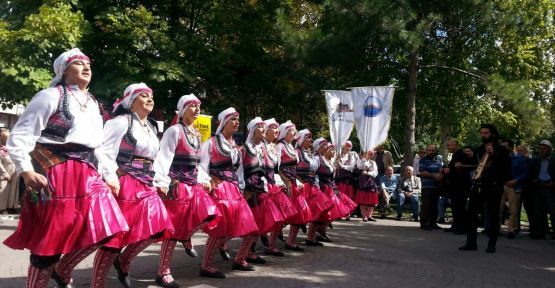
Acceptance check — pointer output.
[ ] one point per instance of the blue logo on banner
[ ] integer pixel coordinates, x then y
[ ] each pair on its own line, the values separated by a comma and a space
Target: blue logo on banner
372, 107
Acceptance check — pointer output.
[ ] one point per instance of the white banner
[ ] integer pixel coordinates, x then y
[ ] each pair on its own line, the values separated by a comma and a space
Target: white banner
372, 111
339, 105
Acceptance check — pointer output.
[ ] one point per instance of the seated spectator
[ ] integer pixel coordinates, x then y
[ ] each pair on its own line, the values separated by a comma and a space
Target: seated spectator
389, 184
409, 192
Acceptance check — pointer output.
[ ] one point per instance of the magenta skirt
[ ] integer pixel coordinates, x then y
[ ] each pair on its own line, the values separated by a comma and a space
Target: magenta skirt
303, 214
81, 212
144, 211
279, 197
237, 219
366, 198
267, 215
347, 189
189, 207
318, 202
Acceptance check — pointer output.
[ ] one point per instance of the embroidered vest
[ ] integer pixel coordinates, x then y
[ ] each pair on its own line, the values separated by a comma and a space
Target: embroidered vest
221, 163
253, 168
325, 172
184, 166
288, 161
303, 167
270, 161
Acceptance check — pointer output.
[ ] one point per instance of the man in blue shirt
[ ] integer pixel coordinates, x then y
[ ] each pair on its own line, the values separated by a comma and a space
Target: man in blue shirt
513, 188
389, 186
430, 172
542, 174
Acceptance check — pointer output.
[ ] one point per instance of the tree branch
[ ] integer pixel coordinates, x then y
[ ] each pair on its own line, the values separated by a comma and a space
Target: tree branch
474, 73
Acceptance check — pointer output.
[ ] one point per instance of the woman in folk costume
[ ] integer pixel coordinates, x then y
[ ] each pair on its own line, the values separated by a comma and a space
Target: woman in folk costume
320, 204
276, 187
267, 215
188, 201
367, 192
288, 173
343, 205
220, 158
67, 208
346, 165
126, 157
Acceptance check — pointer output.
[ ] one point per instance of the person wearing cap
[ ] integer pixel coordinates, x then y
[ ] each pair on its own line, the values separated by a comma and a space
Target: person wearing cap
67, 207
288, 160
542, 175
488, 188
126, 156
307, 167
220, 158
267, 215
342, 204
187, 188
276, 187
367, 192
346, 165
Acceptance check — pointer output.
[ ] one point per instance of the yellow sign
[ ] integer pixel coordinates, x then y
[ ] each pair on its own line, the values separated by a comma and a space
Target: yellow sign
204, 125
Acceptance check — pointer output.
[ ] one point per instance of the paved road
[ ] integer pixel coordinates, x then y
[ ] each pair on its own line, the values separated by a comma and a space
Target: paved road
387, 253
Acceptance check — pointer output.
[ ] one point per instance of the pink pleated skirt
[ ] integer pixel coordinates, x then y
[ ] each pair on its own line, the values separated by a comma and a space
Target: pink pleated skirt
267, 215
347, 189
366, 197
237, 219
189, 207
303, 214
80, 213
144, 211
279, 197
318, 202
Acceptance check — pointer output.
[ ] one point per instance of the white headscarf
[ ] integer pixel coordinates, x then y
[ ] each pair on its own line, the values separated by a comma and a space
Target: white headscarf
270, 122
349, 144
185, 101
318, 143
252, 126
301, 135
62, 62
130, 93
224, 116
284, 128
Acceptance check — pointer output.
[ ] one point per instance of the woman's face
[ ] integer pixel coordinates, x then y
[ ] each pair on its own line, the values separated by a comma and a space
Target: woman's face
330, 153
78, 73
272, 133
143, 104
191, 113
259, 133
307, 143
232, 125
290, 135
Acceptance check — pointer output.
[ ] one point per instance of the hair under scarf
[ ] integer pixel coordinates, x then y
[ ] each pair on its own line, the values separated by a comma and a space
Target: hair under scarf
318, 143
129, 95
301, 136
182, 104
284, 128
270, 123
63, 61
224, 116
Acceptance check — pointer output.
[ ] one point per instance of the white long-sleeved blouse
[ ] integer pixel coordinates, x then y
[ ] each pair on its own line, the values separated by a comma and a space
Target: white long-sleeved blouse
369, 167
86, 128
205, 156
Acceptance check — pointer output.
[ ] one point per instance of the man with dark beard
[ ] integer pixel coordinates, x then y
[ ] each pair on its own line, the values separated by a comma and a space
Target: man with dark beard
487, 187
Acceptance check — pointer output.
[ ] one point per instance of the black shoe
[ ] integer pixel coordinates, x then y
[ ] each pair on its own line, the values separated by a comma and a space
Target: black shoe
330, 226
264, 240
372, 219
436, 227
537, 236
294, 248
59, 281
191, 252
484, 231
237, 266
490, 249
123, 277
303, 228
382, 216
511, 235
160, 281
225, 255
467, 247
215, 274
273, 253
426, 227
348, 219
448, 230
313, 243
441, 220
323, 238
365, 220
257, 260
281, 238
398, 218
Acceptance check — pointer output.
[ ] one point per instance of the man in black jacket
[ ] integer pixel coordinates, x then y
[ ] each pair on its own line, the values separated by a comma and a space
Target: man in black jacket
488, 188
542, 174
458, 177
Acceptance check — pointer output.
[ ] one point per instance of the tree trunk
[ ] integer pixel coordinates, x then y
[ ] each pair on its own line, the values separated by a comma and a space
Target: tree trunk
410, 125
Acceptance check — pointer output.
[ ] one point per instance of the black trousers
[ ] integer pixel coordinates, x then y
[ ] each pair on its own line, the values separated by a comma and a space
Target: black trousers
544, 205
458, 202
428, 211
490, 197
